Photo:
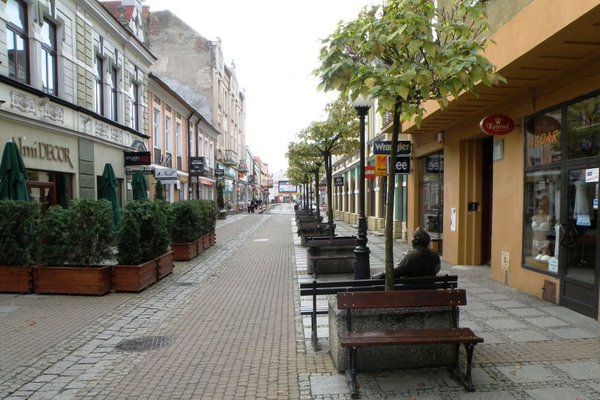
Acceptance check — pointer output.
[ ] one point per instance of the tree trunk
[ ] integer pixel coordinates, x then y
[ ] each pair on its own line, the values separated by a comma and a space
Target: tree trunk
328, 173
317, 195
389, 201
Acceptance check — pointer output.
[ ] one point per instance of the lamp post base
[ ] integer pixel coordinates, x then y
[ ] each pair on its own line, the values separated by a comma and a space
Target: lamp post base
362, 270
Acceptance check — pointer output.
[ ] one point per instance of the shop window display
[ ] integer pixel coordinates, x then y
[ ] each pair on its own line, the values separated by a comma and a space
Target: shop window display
541, 227
583, 124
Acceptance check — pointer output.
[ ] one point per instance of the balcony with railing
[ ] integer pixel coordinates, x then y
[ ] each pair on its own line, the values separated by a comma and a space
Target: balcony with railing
229, 157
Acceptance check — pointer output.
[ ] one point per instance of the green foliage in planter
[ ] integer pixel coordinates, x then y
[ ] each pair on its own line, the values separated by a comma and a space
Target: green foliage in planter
52, 237
210, 215
91, 232
158, 191
153, 235
184, 221
18, 225
80, 236
129, 243
220, 200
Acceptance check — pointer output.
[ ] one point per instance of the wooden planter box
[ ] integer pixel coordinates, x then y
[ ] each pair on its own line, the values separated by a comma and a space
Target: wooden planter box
72, 280
16, 279
165, 264
184, 251
134, 278
200, 246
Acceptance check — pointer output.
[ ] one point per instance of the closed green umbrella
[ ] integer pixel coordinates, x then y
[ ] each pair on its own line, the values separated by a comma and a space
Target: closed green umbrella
13, 175
108, 191
139, 186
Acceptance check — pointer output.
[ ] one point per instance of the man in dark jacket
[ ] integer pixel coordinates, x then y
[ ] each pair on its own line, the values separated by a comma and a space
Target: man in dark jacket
419, 261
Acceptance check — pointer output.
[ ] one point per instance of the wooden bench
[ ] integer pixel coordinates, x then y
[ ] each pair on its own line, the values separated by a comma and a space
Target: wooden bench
316, 288
406, 298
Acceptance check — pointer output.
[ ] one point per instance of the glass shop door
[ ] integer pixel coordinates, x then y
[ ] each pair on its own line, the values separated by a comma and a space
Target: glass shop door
579, 240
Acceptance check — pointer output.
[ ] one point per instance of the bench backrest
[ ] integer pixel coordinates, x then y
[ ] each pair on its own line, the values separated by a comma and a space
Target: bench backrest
401, 298
417, 283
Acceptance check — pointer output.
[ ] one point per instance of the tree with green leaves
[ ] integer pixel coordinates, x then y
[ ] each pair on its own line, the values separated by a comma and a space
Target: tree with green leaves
159, 191
305, 160
337, 135
403, 54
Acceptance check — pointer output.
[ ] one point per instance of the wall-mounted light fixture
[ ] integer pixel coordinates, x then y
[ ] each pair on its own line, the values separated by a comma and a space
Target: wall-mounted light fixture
439, 137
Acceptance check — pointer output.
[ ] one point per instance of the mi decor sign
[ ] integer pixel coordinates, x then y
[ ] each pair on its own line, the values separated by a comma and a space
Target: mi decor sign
382, 149
497, 124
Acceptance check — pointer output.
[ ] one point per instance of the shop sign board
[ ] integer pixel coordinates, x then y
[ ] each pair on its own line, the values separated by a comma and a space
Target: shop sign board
370, 172
403, 165
165, 175
381, 161
497, 124
137, 158
198, 166
385, 147
219, 172
338, 181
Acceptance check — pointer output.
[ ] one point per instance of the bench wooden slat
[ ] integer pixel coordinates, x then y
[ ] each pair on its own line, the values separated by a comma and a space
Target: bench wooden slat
409, 337
404, 298
374, 282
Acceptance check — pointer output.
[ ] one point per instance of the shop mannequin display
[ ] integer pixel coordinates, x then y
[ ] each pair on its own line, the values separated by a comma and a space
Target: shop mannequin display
541, 226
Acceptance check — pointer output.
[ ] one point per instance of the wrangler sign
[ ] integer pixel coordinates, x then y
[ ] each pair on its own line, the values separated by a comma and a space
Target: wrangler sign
385, 147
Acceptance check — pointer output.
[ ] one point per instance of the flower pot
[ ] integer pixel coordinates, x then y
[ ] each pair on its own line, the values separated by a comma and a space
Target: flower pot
16, 279
94, 280
184, 251
165, 264
134, 278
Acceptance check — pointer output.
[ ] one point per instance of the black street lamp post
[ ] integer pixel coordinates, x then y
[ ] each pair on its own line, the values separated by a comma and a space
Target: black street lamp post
362, 269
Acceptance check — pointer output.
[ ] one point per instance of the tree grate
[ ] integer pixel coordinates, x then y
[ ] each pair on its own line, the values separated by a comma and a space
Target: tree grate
145, 343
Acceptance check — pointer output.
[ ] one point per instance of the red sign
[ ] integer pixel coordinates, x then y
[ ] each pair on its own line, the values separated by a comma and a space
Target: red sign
369, 171
497, 124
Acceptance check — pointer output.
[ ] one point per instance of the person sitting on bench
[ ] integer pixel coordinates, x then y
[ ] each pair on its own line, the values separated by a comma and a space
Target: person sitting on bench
419, 261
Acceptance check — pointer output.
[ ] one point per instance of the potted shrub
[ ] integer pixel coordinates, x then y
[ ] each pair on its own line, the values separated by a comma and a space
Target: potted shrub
18, 223
142, 247
183, 225
209, 213
73, 247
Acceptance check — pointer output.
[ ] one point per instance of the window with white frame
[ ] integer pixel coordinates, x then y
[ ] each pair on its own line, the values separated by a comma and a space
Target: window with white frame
48, 58
112, 80
168, 134
178, 138
16, 40
156, 139
134, 104
99, 85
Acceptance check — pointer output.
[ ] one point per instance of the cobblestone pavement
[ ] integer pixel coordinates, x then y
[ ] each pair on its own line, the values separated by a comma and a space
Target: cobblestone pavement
227, 326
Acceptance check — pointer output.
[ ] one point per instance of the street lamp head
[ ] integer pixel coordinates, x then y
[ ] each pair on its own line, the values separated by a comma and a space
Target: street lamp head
361, 103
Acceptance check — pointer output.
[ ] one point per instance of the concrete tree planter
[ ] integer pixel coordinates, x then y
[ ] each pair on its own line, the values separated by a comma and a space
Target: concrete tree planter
337, 254
390, 357
134, 278
16, 279
184, 251
166, 264
93, 280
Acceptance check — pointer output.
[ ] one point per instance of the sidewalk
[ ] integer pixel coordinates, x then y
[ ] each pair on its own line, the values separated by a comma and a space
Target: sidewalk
533, 349
226, 325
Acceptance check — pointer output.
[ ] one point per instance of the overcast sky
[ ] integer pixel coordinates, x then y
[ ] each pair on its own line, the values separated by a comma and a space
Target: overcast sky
275, 46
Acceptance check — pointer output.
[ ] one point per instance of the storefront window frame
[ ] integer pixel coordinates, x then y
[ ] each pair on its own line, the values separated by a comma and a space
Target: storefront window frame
565, 164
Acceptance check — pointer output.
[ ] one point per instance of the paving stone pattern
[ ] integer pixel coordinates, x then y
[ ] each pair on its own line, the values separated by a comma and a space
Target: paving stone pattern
227, 326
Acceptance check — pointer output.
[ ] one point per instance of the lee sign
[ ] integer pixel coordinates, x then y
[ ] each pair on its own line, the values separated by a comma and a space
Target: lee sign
497, 124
